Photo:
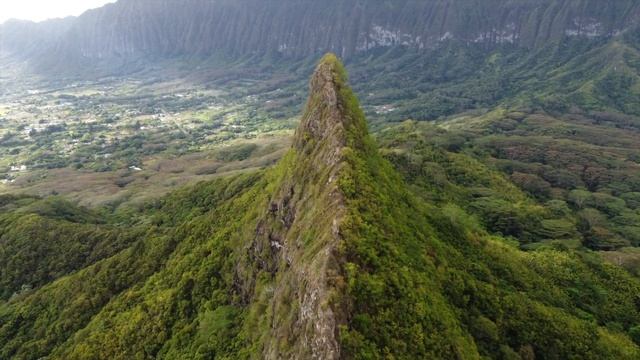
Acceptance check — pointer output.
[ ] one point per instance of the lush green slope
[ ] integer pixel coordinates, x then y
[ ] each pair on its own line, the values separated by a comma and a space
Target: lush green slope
598, 75
335, 252
555, 177
43, 240
40, 322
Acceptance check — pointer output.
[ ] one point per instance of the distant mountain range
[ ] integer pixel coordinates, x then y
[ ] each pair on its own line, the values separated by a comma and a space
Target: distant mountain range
134, 30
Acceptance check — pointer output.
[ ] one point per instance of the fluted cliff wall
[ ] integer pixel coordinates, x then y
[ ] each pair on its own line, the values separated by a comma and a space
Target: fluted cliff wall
300, 28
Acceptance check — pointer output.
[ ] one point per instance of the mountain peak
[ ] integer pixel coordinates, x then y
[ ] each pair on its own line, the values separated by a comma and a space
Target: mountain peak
332, 118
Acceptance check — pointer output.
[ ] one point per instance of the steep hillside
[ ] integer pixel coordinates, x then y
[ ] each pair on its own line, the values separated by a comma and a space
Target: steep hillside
131, 30
329, 255
43, 240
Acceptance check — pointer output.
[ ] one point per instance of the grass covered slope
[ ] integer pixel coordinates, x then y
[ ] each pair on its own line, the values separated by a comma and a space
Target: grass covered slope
428, 282
328, 255
42, 240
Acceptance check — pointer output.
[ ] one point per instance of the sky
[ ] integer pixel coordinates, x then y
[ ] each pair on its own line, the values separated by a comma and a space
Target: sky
38, 10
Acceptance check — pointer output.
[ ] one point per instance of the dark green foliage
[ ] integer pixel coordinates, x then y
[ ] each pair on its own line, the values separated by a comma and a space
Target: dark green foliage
634, 333
390, 250
574, 168
30, 331
426, 262
500, 297
43, 240
616, 88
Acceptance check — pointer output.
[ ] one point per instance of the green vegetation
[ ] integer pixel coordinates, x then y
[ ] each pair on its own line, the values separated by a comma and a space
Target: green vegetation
43, 240
574, 178
411, 251
90, 131
445, 289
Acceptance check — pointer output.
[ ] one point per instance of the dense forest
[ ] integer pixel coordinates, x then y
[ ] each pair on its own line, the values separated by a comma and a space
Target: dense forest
163, 196
344, 249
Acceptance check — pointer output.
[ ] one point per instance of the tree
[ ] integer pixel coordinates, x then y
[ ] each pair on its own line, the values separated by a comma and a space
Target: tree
532, 184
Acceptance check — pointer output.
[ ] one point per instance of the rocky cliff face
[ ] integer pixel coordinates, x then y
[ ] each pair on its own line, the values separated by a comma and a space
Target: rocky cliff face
28, 39
299, 28
297, 240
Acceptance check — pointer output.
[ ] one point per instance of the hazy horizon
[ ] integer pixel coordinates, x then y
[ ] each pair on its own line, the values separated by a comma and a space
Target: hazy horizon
41, 10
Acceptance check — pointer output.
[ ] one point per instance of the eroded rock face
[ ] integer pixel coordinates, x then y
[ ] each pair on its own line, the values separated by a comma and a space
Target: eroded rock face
296, 242
156, 29
322, 127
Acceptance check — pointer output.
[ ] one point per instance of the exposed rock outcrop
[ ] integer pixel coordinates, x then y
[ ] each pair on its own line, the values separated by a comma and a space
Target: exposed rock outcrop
297, 241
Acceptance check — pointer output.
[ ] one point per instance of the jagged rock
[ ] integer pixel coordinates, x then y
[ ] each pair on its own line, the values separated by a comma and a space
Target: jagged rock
306, 203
